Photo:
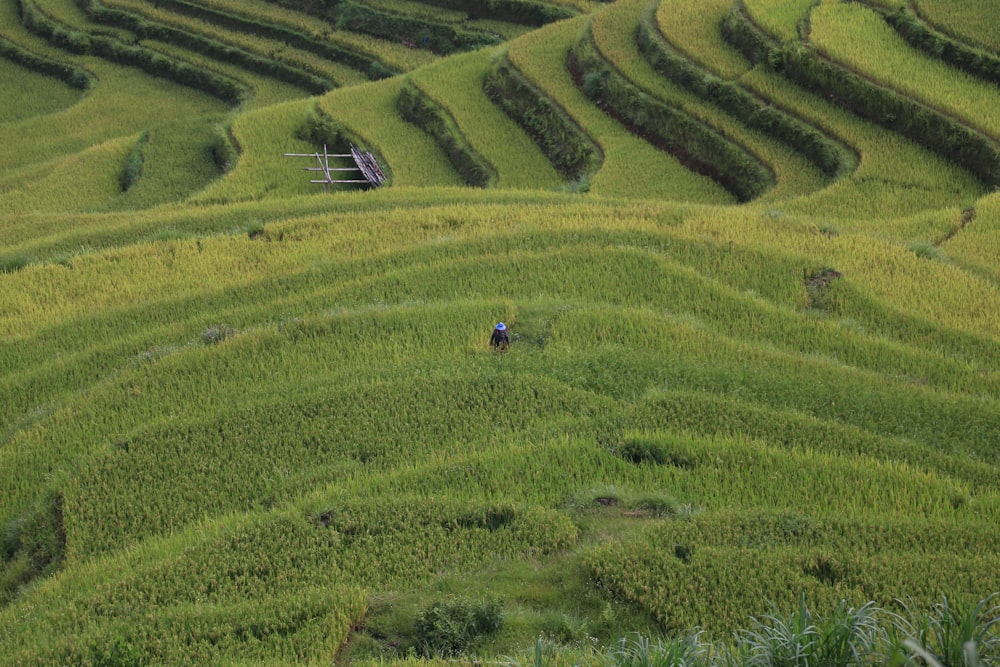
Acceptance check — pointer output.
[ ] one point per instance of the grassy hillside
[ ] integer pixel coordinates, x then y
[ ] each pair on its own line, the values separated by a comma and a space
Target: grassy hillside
746, 252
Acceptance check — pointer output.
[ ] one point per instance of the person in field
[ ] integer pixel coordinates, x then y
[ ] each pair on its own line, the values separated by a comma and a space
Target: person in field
500, 341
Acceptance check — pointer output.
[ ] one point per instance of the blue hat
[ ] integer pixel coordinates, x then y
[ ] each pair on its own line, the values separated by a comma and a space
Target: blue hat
501, 327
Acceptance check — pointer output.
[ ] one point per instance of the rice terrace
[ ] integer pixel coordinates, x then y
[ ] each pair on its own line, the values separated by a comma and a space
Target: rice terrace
746, 411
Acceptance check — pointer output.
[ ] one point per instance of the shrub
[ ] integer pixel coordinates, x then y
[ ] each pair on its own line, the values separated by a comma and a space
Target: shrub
925, 250
453, 626
224, 148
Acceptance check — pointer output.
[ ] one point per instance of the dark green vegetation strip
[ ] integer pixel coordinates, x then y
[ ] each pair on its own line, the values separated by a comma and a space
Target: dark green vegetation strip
953, 52
564, 143
132, 168
416, 32
896, 112
146, 29
697, 146
371, 66
524, 12
831, 156
115, 51
71, 75
418, 108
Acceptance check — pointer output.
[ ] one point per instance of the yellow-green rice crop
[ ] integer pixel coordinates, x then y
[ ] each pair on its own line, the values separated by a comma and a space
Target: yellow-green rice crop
268, 48
858, 38
693, 28
966, 19
38, 94
630, 164
780, 18
395, 55
122, 103
370, 113
458, 85
614, 30
977, 241
263, 425
264, 90
68, 13
419, 9
46, 186
894, 177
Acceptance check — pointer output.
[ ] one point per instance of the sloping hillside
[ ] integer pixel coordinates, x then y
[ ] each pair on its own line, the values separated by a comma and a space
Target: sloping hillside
747, 254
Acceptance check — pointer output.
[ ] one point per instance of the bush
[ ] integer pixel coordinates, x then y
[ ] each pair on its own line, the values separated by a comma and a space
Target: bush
224, 149
453, 626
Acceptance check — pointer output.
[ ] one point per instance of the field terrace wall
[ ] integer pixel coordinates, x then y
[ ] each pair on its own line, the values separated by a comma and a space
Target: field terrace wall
147, 29
568, 147
115, 51
75, 77
416, 32
953, 52
831, 156
524, 12
371, 66
807, 67
695, 145
418, 108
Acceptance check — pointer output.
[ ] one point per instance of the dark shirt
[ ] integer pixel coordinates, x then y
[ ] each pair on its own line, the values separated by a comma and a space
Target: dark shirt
499, 338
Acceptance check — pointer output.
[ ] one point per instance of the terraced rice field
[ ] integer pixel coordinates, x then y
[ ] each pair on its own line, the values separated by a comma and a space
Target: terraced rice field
249, 419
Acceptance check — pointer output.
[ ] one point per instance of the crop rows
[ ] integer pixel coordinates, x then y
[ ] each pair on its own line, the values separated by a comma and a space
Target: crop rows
964, 19
876, 51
